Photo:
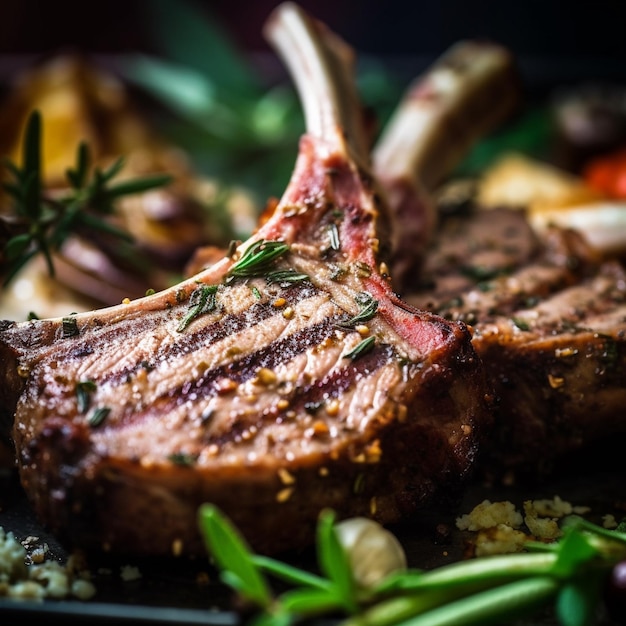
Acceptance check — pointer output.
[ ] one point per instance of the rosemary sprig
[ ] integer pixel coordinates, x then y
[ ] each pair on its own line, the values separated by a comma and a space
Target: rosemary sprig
40, 223
258, 258
569, 573
361, 348
202, 300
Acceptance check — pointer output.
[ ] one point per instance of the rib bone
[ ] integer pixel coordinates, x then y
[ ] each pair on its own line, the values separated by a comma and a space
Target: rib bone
466, 94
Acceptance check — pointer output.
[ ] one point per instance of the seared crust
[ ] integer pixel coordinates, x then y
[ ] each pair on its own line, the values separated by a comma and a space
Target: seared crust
549, 323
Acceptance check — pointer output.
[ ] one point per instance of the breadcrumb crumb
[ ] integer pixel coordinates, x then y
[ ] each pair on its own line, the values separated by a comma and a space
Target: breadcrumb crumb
35, 578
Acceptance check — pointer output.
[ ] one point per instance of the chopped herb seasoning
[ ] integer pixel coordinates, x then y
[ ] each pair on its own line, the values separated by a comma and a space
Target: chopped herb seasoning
368, 305
337, 271
150, 292
202, 300
32, 316
84, 389
362, 348
183, 459
256, 292
70, 327
258, 258
286, 278
520, 323
98, 416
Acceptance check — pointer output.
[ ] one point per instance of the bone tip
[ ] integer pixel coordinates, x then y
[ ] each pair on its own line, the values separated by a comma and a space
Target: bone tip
282, 12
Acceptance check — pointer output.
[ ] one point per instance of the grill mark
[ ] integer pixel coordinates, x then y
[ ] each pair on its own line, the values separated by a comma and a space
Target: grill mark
339, 381
240, 371
330, 387
189, 341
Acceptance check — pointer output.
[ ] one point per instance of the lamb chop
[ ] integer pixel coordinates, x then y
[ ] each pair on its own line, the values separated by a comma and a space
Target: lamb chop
548, 316
286, 378
547, 311
549, 322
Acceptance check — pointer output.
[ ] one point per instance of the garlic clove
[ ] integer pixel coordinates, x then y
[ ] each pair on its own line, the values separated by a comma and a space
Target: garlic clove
373, 551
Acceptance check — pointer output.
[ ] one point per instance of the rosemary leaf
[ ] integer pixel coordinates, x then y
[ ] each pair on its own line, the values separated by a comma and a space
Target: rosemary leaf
233, 556
286, 278
84, 389
369, 306
183, 459
16, 246
69, 327
333, 233
258, 258
130, 187
46, 221
362, 348
98, 416
202, 300
78, 176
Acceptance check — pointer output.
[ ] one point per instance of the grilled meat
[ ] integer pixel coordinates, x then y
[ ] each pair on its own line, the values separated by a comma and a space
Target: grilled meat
548, 315
285, 378
549, 323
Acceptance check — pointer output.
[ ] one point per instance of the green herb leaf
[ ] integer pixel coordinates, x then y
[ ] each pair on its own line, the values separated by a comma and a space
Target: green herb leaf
98, 416
258, 258
78, 176
368, 305
202, 300
288, 573
232, 555
310, 601
333, 233
16, 246
69, 327
334, 562
362, 348
84, 389
577, 602
516, 599
183, 459
286, 278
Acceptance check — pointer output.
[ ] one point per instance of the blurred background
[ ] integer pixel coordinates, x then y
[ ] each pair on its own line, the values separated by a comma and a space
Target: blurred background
190, 88
534, 28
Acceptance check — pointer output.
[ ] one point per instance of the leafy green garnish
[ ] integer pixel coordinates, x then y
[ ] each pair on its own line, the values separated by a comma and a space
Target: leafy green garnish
233, 557
98, 416
40, 222
494, 589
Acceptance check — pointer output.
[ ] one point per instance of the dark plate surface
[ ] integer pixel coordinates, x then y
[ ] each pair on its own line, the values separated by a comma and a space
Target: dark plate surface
177, 591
